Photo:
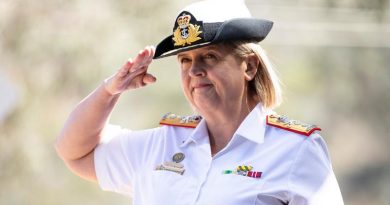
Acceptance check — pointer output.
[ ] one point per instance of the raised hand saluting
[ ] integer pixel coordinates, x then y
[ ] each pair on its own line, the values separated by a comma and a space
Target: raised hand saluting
133, 74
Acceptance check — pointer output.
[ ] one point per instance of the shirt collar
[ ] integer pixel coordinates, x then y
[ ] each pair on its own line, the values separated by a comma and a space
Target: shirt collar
199, 134
252, 128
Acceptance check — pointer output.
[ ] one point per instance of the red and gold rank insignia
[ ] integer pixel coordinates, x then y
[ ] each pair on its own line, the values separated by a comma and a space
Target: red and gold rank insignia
186, 31
180, 121
296, 126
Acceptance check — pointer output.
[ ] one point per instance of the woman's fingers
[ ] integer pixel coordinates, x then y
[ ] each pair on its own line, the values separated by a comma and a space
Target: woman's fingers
144, 58
133, 74
152, 50
148, 79
125, 68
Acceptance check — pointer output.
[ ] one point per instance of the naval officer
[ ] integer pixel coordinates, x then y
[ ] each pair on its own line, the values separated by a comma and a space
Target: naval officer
236, 151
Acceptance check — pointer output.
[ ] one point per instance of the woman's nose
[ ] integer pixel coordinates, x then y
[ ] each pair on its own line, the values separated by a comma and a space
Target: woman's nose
197, 69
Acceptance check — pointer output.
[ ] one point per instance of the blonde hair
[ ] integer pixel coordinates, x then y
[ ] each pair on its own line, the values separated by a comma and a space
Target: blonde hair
265, 86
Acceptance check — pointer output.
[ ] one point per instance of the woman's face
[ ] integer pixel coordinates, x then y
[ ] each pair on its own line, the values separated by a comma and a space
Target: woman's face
213, 78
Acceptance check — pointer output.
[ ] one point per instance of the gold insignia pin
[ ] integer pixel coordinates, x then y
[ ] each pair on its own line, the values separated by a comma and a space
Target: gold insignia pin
186, 32
178, 157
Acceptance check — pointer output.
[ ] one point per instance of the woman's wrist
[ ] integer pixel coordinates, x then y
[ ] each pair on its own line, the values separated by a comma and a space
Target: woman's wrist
107, 87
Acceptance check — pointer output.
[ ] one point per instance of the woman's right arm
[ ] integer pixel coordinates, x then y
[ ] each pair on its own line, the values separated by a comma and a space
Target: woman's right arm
83, 129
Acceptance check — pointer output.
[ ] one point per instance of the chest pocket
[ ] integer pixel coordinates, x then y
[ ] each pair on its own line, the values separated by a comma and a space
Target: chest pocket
167, 187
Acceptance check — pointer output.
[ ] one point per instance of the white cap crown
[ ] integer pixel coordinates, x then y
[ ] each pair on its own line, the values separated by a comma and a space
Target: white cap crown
218, 10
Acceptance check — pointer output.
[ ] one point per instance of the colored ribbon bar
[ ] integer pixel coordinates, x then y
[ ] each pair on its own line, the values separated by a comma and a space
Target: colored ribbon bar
254, 174
229, 172
244, 168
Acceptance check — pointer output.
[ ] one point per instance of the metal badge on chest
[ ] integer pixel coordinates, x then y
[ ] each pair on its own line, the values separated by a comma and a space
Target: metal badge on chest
175, 165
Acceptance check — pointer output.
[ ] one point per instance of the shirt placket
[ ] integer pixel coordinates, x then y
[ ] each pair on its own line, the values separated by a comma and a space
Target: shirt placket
201, 167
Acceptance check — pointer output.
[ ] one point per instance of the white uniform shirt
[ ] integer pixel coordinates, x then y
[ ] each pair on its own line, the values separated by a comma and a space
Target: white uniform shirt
296, 169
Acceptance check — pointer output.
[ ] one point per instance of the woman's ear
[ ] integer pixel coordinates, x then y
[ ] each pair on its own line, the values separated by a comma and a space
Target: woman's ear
252, 63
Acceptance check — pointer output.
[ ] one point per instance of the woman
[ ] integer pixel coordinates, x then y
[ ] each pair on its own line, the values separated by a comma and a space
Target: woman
236, 152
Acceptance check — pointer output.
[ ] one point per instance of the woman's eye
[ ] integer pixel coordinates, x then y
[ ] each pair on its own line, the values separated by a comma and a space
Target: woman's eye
184, 60
210, 56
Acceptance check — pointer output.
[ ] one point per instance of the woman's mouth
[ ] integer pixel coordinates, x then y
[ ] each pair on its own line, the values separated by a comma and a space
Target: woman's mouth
201, 86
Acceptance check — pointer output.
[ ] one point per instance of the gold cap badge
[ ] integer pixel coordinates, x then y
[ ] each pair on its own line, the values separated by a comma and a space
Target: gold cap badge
186, 30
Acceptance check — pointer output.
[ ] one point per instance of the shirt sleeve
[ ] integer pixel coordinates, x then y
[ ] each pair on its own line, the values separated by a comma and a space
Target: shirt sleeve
311, 179
117, 158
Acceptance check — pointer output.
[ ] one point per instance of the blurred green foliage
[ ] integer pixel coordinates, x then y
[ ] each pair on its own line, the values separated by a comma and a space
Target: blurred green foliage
332, 56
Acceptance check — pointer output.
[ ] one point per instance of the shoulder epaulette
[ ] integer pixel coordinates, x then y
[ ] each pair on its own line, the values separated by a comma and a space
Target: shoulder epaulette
175, 120
283, 122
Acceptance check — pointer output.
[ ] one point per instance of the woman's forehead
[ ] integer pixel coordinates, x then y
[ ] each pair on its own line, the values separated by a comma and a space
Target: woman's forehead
214, 47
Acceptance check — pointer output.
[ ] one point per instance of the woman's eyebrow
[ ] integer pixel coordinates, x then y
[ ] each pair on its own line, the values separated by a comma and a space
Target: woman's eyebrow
180, 55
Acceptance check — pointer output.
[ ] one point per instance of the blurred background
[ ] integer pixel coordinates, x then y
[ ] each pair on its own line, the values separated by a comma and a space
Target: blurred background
333, 57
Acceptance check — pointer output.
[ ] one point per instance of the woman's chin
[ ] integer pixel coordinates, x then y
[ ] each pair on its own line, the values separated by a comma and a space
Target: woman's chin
204, 103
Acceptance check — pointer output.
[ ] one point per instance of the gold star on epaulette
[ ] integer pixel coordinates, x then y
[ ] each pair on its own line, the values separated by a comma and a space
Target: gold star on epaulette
283, 122
175, 120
